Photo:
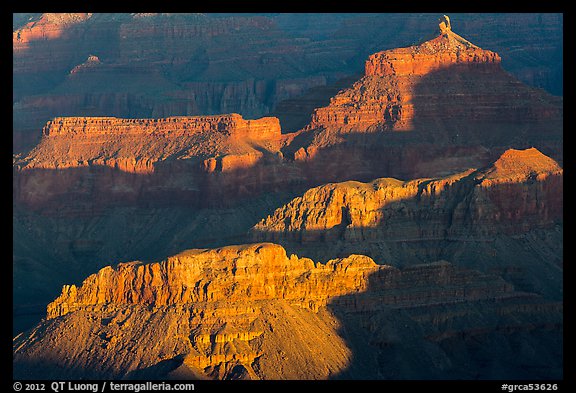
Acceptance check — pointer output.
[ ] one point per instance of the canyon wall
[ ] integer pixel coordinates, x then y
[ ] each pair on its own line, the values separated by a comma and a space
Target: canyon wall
422, 278
132, 155
232, 124
161, 65
523, 189
252, 312
431, 109
506, 217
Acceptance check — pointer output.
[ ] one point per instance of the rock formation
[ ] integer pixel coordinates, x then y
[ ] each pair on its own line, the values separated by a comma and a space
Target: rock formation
423, 278
194, 64
444, 25
121, 189
153, 66
114, 142
520, 187
443, 51
519, 193
47, 27
435, 108
177, 152
252, 312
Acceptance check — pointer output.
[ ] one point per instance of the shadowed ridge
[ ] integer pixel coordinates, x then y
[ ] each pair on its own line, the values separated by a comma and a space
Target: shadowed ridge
250, 312
506, 217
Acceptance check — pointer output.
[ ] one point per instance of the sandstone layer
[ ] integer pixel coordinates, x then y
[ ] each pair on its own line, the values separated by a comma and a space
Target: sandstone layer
184, 159
160, 65
434, 108
485, 213
155, 65
522, 186
252, 312
135, 145
85, 197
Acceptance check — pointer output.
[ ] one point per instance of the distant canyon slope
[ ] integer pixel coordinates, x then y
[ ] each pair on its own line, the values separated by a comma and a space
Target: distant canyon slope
436, 108
255, 311
160, 65
410, 225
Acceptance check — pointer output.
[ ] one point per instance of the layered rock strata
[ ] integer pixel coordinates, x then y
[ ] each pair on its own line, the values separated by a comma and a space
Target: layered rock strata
252, 272
181, 158
190, 64
506, 217
109, 141
438, 107
252, 312
77, 206
521, 190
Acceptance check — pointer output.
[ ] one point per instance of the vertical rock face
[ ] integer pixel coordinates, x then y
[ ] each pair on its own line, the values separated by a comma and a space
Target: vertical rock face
443, 51
153, 66
435, 108
505, 217
194, 64
248, 273
184, 147
251, 312
423, 278
444, 25
522, 190
232, 124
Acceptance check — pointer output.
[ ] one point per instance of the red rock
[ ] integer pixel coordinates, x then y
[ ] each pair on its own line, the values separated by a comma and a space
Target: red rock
210, 312
444, 51
519, 192
48, 27
135, 145
431, 109
230, 63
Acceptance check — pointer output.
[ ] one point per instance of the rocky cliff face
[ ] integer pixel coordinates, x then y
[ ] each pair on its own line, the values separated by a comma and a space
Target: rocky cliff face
197, 64
247, 273
173, 151
443, 51
106, 188
519, 193
98, 190
155, 65
438, 107
522, 188
107, 141
252, 312
81, 176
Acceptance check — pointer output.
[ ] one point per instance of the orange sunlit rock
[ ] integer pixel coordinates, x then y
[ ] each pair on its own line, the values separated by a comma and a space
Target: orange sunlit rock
135, 145
252, 312
522, 190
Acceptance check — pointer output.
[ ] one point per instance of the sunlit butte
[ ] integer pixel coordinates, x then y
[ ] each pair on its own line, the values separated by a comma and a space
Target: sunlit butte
272, 196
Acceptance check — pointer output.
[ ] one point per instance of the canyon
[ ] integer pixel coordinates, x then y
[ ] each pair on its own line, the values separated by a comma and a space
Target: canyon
161, 65
285, 199
431, 109
442, 106
455, 267
251, 312
495, 216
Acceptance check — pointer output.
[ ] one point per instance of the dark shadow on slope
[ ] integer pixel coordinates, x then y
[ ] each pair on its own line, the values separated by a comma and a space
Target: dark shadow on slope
437, 322
465, 137
295, 113
513, 230
68, 223
474, 107
158, 371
